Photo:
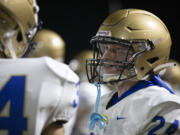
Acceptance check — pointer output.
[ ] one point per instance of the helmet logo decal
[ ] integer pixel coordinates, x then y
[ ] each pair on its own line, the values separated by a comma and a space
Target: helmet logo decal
104, 33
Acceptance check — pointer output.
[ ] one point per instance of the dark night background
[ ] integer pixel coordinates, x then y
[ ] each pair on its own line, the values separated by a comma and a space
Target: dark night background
78, 21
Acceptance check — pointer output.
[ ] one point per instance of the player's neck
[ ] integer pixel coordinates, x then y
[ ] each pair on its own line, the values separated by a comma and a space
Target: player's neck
125, 86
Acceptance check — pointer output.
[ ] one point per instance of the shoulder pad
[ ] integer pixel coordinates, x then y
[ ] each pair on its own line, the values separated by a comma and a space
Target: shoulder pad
62, 70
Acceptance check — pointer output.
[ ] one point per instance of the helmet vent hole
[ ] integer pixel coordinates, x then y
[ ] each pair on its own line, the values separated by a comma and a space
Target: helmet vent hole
142, 68
152, 60
19, 37
132, 29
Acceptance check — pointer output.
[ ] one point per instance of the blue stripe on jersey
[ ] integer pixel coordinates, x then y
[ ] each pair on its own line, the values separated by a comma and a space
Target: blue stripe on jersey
155, 80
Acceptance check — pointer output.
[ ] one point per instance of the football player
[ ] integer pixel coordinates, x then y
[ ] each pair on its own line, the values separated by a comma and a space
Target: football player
87, 93
33, 91
130, 48
49, 43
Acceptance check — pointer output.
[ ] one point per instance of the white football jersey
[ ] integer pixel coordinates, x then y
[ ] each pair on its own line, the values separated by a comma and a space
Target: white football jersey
177, 92
35, 92
149, 111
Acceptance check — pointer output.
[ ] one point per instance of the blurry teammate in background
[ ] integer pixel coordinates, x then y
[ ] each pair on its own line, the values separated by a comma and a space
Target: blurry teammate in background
130, 48
87, 93
49, 43
172, 76
33, 91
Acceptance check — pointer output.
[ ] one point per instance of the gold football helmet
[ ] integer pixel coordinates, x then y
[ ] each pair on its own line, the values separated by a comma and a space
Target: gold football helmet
172, 74
48, 43
18, 25
134, 29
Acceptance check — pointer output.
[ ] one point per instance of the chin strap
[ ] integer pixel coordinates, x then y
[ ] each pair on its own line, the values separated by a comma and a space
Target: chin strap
95, 116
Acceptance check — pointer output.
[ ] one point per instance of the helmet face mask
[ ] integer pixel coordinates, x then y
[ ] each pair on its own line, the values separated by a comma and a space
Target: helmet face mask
114, 59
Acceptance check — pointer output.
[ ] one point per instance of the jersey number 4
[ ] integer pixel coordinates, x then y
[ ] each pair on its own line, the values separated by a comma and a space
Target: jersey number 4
14, 92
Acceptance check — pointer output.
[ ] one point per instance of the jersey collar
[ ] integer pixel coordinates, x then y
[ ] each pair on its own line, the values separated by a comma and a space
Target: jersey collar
155, 80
